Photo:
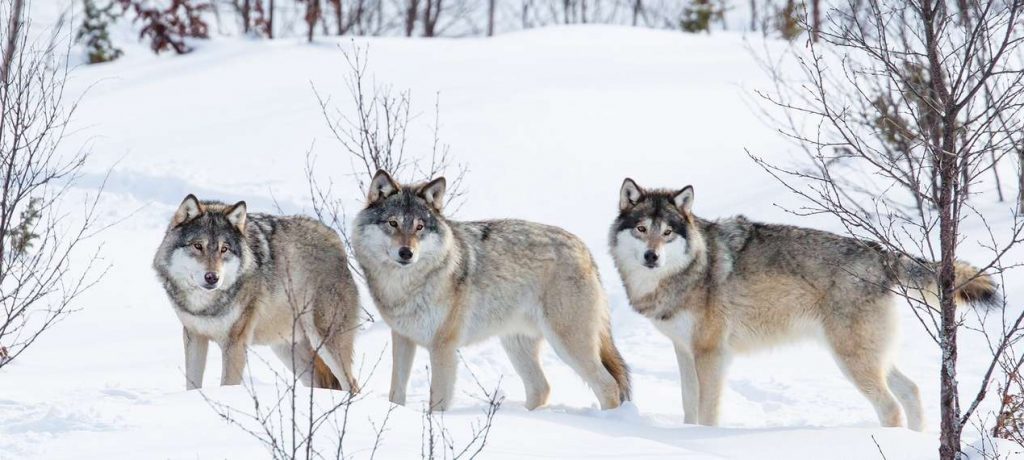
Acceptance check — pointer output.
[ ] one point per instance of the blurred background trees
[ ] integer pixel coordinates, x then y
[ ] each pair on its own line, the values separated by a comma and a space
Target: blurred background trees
173, 25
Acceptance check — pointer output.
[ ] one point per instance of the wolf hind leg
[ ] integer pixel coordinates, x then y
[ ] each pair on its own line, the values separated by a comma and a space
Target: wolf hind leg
865, 366
861, 345
578, 344
869, 377
332, 337
298, 356
909, 396
524, 352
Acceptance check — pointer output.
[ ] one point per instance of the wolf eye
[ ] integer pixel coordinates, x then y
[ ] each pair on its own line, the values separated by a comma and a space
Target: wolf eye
419, 227
393, 223
198, 246
224, 249
667, 232
641, 229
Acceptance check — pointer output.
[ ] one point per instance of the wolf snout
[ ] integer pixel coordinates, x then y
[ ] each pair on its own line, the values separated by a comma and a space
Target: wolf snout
651, 258
405, 254
211, 279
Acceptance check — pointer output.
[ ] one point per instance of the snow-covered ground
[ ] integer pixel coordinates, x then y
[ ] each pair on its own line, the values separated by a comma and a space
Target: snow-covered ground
549, 122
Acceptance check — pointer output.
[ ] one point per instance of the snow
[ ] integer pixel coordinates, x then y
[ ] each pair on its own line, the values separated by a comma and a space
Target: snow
549, 122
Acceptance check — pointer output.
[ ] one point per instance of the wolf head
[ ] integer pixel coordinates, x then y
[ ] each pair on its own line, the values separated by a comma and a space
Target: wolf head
402, 224
204, 246
653, 229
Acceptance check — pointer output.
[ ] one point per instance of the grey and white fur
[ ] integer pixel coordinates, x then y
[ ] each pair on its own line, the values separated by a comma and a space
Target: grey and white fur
443, 284
242, 279
717, 288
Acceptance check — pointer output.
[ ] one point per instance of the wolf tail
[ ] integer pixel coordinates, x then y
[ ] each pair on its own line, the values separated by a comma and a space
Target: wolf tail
322, 375
973, 286
613, 362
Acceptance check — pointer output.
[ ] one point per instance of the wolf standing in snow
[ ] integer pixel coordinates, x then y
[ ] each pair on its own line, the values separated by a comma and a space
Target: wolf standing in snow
718, 288
443, 284
241, 279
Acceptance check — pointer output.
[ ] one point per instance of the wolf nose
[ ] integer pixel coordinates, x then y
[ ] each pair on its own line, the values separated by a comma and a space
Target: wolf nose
650, 257
405, 253
211, 278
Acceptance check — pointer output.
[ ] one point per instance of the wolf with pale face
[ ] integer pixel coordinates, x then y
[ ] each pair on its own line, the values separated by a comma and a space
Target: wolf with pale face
717, 288
442, 284
242, 279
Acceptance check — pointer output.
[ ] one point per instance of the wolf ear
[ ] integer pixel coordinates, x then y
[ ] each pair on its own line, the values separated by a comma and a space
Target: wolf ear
236, 215
187, 210
433, 192
381, 187
683, 199
629, 195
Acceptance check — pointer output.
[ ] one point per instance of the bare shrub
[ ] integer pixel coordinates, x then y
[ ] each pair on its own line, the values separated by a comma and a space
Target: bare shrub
436, 441
293, 423
900, 110
43, 272
374, 137
1009, 422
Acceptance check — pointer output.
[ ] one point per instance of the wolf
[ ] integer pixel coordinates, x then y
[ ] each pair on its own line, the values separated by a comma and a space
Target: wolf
242, 279
717, 288
442, 284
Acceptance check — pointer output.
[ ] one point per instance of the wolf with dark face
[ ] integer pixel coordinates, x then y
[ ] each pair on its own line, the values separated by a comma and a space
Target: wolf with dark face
716, 288
243, 279
443, 284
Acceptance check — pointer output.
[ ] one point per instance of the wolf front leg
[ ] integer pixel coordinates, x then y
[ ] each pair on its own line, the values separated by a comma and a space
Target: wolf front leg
403, 351
233, 357
688, 383
710, 364
443, 366
195, 358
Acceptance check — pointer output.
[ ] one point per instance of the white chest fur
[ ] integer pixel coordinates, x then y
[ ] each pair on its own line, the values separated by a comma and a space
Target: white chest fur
679, 328
217, 328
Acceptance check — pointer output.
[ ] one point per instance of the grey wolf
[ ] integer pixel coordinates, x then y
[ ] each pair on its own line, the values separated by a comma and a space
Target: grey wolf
442, 284
242, 279
717, 288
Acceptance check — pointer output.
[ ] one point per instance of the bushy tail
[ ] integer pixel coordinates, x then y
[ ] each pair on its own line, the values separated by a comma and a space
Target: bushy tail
973, 286
322, 375
613, 362
976, 288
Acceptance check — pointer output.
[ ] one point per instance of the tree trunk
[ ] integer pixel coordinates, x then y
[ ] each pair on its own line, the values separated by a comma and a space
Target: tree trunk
816, 18
13, 32
965, 11
1020, 178
430, 17
339, 17
427, 30
356, 18
410, 17
753, 15
995, 172
946, 159
312, 17
270, 19
246, 9
949, 439
490, 17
